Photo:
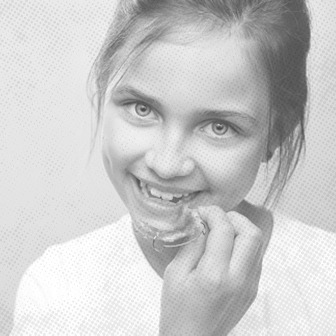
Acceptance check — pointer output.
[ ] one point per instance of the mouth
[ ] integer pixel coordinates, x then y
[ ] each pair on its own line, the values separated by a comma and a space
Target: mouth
160, 213
150, 195
168, 223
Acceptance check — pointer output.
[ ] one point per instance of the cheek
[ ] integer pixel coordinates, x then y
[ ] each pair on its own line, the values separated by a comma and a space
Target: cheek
115, 147
245, 175
121, 143
234, 174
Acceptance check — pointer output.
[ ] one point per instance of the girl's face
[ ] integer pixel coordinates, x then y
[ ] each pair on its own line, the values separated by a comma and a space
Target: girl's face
189, 118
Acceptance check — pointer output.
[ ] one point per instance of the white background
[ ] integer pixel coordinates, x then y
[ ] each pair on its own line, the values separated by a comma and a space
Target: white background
46, 195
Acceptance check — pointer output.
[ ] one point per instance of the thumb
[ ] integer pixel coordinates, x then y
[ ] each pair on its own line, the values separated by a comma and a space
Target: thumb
188, 256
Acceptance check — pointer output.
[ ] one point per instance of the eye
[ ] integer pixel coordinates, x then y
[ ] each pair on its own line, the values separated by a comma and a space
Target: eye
137, 110
142, 109
221, 129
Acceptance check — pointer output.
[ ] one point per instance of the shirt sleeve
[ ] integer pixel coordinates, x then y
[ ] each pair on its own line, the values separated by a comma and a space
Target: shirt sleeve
39, 297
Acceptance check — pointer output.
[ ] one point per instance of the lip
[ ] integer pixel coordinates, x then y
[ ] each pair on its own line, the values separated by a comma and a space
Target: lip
156, 206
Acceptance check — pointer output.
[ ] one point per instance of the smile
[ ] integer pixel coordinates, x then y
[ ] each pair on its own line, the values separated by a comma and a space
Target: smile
153, 195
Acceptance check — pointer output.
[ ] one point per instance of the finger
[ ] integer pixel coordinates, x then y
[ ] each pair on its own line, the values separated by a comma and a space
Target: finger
187, 257
247, 246
218, 249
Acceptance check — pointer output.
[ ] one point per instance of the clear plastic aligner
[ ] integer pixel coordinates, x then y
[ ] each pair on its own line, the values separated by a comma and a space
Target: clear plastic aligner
194, 227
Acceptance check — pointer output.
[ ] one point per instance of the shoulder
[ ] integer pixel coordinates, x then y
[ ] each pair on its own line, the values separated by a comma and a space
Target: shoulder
98, 241
83, 254
303, 248
300, 273
289, 229
70, 277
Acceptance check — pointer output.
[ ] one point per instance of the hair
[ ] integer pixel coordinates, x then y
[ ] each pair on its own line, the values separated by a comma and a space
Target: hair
280, 30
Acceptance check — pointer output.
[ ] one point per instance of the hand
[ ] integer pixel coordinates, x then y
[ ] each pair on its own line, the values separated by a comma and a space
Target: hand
212, 282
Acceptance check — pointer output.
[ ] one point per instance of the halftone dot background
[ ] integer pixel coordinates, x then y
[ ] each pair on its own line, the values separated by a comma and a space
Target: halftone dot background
46, 50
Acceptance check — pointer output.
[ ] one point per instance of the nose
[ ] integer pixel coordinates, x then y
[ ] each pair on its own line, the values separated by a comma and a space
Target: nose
168, 163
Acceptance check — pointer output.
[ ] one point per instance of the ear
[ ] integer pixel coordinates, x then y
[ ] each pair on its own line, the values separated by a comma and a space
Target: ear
269, 150
275, 142
267, 156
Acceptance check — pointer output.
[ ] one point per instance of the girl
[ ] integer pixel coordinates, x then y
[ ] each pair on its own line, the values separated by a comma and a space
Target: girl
193, 98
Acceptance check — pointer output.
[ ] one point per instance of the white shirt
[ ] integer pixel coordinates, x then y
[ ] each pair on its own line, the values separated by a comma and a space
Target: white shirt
101, 284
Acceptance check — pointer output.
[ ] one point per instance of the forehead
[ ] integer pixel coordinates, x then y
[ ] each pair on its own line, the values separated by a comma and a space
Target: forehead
213, 71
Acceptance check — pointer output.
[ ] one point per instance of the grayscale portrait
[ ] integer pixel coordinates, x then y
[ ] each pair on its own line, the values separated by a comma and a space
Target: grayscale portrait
168, 167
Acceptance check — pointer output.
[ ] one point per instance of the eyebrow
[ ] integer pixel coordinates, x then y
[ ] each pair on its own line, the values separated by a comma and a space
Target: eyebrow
238, 115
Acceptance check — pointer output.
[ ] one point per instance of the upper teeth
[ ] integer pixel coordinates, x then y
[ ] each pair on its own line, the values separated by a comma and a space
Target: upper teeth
163, 195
